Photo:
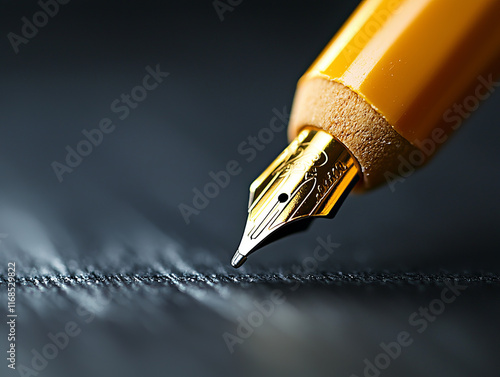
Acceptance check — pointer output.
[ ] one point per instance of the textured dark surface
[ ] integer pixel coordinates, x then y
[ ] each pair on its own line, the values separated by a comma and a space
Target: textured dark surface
173, 324
108, 249
327, 278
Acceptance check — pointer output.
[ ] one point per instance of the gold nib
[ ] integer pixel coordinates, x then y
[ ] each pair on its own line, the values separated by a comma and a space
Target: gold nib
309, 178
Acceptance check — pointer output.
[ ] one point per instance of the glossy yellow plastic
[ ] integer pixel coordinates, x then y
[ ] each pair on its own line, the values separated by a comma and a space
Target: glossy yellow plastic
414, 60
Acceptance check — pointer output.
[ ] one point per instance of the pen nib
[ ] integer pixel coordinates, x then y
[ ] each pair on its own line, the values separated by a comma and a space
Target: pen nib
309, 178
238, 259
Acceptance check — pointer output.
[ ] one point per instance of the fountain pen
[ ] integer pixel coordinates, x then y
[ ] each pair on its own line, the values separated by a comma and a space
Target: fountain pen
387, 91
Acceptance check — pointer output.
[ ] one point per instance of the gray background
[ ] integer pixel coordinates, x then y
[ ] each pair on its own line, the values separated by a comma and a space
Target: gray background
117, 213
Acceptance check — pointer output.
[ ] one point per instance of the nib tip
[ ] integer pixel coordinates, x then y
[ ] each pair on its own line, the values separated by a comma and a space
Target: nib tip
238, 259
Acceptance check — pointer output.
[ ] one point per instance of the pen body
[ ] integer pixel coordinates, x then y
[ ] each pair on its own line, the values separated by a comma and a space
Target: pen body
399, 77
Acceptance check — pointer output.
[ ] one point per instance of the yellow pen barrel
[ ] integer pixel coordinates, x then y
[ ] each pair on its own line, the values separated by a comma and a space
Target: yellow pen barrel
414, 62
